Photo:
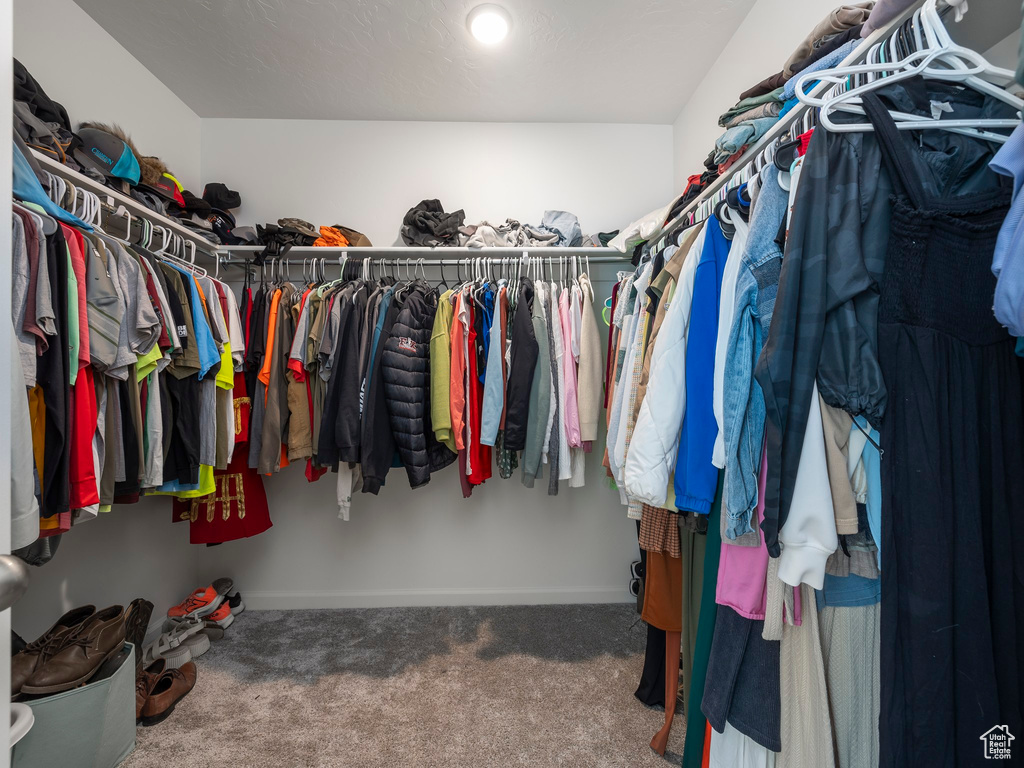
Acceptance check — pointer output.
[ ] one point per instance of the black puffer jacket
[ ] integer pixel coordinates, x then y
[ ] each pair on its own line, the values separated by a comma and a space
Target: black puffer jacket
405, 371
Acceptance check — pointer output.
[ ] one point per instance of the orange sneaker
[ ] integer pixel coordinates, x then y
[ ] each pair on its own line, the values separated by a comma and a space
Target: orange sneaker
202, 602
222, 617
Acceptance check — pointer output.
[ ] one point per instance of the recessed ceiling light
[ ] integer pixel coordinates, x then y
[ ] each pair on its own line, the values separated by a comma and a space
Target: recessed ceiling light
489, 23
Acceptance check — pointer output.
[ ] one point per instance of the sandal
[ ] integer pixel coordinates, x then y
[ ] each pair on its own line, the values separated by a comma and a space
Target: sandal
186, 641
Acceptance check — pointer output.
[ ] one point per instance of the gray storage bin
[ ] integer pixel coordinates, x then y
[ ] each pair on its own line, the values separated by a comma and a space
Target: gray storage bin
88, 727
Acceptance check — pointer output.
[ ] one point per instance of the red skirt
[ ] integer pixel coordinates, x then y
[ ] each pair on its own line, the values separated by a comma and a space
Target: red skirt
238, 507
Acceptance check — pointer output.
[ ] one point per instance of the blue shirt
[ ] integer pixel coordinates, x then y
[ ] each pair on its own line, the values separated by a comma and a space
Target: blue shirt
27, 187
873, 469
696, 477
385, 304
1008, 258
488, 301
209, 355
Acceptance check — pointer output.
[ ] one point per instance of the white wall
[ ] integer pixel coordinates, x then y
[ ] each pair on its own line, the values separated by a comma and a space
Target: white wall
1006, 51
366, 175
759, 48
506, 544
133, 551
80, 65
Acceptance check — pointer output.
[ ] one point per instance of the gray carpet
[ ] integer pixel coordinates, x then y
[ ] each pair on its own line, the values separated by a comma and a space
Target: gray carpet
425, 687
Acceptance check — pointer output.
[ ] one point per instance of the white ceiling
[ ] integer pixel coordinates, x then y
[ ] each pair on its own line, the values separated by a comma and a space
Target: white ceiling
612, 61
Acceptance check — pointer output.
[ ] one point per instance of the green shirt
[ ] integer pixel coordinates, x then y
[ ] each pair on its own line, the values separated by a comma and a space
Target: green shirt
440, 372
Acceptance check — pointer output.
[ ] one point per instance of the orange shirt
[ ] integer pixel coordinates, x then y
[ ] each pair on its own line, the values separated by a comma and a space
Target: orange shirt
457, 385
264, 374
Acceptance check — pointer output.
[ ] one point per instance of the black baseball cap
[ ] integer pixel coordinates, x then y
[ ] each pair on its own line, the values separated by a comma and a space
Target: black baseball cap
219, 196
195, 205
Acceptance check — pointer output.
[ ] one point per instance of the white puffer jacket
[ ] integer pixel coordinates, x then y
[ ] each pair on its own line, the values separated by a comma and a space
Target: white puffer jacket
655, 442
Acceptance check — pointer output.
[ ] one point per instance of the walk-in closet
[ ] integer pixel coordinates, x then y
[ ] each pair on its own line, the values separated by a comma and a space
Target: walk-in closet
463, 384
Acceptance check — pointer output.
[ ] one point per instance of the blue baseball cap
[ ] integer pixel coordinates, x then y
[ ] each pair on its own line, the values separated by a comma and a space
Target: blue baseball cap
107, 154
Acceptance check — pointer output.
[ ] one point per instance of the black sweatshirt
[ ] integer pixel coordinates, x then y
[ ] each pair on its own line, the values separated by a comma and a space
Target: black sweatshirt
520, 370
378, 449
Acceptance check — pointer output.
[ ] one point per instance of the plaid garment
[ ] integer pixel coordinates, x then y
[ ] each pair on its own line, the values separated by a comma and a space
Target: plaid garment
659, 531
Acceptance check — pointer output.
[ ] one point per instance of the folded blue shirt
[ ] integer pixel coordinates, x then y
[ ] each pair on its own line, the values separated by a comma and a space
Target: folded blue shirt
825, 62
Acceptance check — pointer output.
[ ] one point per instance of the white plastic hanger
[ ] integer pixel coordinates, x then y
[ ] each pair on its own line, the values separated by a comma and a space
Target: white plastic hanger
935, 46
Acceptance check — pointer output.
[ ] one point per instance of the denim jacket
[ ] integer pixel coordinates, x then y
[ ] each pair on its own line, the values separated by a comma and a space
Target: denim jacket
744, 410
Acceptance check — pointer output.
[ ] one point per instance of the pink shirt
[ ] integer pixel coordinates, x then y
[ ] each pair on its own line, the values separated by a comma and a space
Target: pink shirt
571, 412
743, 571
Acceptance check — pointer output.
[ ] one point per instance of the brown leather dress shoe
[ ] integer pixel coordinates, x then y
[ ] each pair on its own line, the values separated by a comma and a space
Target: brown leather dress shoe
39, 650
171, 688
145, 681
81, 653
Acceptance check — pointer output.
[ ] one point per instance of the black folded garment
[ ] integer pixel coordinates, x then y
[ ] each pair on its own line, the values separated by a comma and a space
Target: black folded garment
428, 225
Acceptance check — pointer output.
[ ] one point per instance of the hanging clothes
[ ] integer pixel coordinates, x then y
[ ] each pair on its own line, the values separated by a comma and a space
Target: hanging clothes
936, 325
238, 506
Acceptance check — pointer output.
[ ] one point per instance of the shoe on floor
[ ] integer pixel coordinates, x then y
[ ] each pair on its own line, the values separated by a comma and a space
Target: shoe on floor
223, 617
81, 653
39, 650
235, 601
202, 602
171, 687
182, 643
145, 681
136, 624
636, 569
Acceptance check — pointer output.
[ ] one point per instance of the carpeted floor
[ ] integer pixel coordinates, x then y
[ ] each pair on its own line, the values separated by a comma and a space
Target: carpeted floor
425, 687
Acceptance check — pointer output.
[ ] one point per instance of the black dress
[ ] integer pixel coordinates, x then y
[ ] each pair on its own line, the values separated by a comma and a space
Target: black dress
952, 469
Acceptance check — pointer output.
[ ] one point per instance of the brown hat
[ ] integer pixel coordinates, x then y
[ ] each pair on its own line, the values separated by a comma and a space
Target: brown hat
355, 239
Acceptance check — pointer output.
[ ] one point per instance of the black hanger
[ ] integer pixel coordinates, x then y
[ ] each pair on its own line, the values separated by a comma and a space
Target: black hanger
787, 152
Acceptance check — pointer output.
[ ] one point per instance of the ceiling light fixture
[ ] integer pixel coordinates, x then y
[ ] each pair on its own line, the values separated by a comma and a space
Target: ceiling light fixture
489, 23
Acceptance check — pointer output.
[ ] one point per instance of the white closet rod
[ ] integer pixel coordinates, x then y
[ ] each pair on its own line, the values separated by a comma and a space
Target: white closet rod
358, 254
423, 251
793, 117
137, 209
